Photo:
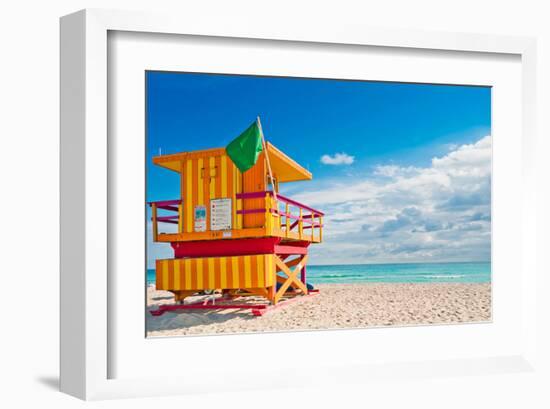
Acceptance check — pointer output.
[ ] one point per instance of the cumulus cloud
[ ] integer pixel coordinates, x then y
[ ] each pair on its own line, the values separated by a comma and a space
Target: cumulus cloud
337, 159
393, 170
440, 212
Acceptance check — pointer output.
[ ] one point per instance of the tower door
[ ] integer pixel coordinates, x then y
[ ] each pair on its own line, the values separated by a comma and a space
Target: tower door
212, 181
203, 180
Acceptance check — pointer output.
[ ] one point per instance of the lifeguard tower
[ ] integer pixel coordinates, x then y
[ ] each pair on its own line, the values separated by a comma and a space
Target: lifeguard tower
235, 233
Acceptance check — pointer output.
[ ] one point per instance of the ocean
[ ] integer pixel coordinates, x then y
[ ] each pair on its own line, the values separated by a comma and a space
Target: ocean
471, 272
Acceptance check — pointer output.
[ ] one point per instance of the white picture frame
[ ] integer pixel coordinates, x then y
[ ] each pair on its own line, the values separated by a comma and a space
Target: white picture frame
85, 225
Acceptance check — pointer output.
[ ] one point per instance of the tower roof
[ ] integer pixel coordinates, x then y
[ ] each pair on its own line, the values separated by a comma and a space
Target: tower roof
284, 167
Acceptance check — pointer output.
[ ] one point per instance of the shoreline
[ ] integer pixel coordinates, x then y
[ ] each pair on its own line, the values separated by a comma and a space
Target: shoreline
338, 306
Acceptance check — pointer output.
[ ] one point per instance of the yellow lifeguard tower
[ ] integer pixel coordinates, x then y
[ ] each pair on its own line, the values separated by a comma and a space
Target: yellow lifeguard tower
235, 232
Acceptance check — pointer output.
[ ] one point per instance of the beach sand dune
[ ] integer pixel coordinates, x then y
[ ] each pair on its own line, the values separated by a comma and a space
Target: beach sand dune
337, 306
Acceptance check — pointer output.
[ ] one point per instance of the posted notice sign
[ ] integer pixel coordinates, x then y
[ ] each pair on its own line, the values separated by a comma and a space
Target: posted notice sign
200, 218
220, 214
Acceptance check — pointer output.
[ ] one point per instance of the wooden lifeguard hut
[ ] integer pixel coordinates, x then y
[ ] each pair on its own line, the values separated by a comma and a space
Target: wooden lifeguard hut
235, 232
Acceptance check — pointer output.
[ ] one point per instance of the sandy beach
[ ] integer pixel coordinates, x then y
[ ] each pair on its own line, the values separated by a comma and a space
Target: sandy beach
336, 306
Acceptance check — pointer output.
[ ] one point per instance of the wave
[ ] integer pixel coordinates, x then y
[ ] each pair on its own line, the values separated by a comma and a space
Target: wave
337, 275
389, 276
443, 275
393, 277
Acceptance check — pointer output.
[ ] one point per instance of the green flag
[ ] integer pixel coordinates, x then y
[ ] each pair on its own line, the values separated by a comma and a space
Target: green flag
246, 147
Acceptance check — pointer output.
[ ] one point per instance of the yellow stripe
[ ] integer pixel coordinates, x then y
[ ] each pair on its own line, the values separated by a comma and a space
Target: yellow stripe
239, 201
200, 199
234, 182
224, 176
164, 274
273, 267
187, 264
199, 274
235, 268
211, 278
247, 272
212, 164
268, 261
180, 218
189, 195
260, 263
223, 272
177, 274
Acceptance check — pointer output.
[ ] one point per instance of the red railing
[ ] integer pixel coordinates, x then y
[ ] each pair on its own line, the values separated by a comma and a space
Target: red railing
168, 206
294, 214
287, 215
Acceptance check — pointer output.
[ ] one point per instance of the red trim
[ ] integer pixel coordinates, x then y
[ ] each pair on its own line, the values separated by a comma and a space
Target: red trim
174, 307
284, 199
166, 202
251, 195
309, 226
171, 208
257, 309
221, 248
238, 247
250, 211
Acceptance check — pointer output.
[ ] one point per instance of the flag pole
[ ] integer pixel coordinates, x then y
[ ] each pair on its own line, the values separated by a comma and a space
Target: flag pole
264, 144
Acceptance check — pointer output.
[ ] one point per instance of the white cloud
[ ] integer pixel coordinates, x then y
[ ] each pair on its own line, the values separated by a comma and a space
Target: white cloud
440, 212
337, 159
467, 160
393, 170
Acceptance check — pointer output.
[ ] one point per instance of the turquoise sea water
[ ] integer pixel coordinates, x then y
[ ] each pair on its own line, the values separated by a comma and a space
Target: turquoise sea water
393, 273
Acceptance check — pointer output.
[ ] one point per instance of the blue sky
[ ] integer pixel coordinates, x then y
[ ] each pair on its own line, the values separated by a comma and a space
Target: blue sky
356, 138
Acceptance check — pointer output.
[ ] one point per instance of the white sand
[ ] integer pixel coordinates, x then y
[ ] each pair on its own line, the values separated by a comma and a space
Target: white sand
337, 306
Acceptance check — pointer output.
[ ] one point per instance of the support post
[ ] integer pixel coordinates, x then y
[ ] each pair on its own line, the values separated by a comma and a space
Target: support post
268, 215
180, 218
312, 224
287, 219
279, 215
301, 224
155, 225
271, 291
291, 276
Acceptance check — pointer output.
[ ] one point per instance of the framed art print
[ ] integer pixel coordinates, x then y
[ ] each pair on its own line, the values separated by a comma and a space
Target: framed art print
342, 204
401, 171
